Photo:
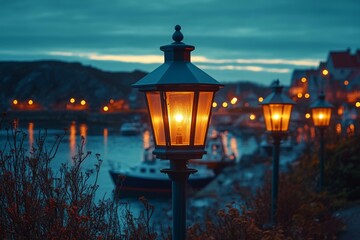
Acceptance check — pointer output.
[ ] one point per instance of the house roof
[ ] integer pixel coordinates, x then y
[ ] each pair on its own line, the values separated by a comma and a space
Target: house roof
344, 59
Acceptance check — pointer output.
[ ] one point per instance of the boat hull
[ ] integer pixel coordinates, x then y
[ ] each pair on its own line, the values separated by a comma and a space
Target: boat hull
128, 186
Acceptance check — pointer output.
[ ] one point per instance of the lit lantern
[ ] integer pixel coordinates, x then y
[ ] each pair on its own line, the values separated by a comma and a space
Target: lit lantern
277, 110
179, 98
321, 112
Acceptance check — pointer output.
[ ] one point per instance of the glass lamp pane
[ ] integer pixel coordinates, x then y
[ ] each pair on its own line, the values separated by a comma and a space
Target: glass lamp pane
277, 117
154, 103
321, 116
179, 109
202, 117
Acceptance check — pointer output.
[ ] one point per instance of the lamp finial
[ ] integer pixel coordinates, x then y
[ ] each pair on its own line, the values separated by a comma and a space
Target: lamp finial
177, 36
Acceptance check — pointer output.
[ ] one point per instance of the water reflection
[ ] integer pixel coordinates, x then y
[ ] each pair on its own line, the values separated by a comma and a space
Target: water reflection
72, 139
106, 135
31, 134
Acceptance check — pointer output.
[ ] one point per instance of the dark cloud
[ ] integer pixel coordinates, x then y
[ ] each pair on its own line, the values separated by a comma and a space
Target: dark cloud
224, 29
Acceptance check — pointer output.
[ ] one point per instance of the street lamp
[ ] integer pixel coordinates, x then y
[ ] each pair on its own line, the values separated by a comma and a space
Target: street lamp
321, 115
277, 112
179, 97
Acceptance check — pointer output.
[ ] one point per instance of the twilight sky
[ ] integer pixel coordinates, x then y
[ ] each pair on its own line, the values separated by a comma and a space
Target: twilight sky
257, 40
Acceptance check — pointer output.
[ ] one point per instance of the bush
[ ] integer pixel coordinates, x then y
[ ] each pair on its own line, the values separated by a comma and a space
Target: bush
38, 202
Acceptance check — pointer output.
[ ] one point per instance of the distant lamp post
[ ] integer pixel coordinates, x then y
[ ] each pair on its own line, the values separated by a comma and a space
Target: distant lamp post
277, 112
321, 115
179, 98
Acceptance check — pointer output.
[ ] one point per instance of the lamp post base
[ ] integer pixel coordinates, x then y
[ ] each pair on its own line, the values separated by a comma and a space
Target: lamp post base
179, 174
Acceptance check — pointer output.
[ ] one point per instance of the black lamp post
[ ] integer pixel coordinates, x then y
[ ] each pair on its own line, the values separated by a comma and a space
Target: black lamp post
321, 115
179, 98
277, 112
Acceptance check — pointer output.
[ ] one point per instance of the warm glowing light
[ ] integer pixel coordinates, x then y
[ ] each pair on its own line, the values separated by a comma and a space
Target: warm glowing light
106, 108
72, 100
325, 72
346, 82
224, 104
321, 116
15, 102
261, 99
214, 104
83, 102
30, 102
233, 100
357, 104
252, 117
276, 116
303, 79
307, 95
111, 101
340, 110
307, 115
338, 128
299, 95
179, 117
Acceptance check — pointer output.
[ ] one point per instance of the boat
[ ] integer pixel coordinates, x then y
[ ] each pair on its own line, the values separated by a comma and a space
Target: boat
216, 157
129, 129
145, 179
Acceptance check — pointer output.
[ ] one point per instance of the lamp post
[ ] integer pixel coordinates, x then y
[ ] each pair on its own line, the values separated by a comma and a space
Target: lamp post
277, 112
179, 97
321, 115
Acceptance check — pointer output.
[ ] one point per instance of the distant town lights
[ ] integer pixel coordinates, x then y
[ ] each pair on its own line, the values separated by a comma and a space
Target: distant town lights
214, 104
224, 104
261, 99
233, 100
357, 104
299, 95
83, 102
325, 72
303, 79
15, 102
30, 102
346, 82
307, 115
307, 95
252, 117
72, 100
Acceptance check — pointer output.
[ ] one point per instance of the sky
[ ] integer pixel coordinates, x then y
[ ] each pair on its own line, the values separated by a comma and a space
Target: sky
257, 40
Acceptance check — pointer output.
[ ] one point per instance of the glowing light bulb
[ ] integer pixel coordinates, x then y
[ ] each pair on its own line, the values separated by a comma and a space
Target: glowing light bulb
276, 116
179, 117
321, 116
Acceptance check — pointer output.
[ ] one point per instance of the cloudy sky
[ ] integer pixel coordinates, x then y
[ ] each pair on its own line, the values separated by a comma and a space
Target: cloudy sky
257, 40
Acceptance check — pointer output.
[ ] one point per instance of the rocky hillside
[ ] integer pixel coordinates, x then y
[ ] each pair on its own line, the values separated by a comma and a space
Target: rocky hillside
53, 83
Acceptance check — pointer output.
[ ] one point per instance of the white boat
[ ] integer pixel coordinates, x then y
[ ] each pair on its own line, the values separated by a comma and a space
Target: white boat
130, 129
145, 179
